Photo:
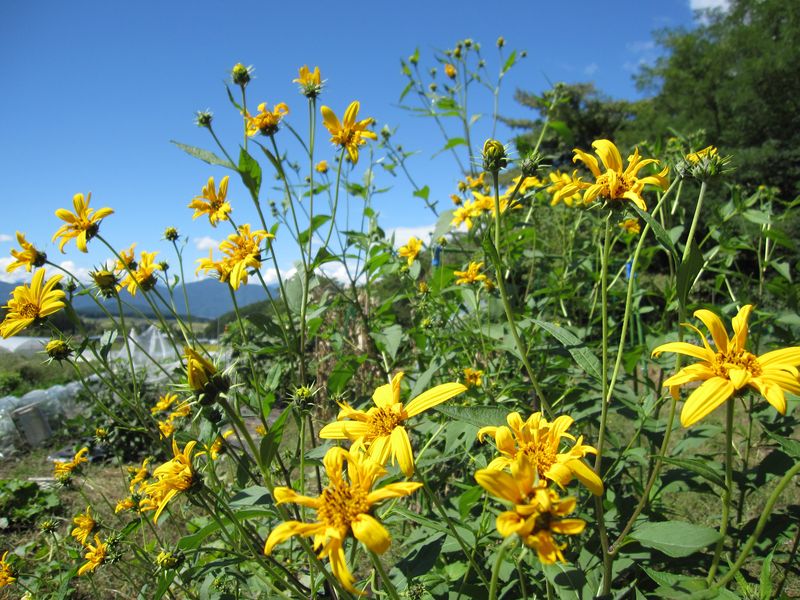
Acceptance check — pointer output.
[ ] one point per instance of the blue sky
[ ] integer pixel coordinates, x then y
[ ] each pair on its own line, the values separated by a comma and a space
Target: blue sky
94, 91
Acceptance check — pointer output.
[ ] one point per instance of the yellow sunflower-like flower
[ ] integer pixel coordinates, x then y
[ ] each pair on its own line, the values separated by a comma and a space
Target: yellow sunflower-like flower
631, 226
706, 153
310, 81
380, 429
450, 70
84, 525
220, 269
349, 134
171, 478
212, 202
617, 183
29, 305
343, 508
164, 403
127, 259
82, 225
243, 251
466, 213
139, 476
199, 370
95, 556
28, 256
473, 377
266, 121
565, 188
144, 276
124, 505
540, 441
537, 512
321, 167
728, 368
411, 250
7, 573
471, 275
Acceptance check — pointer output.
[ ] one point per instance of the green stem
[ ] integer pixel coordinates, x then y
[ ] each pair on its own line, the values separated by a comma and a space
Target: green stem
726, 499
501, 555
388, 587
762, 522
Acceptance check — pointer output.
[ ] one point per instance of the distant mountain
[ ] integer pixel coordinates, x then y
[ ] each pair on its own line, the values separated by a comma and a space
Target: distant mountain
208, 299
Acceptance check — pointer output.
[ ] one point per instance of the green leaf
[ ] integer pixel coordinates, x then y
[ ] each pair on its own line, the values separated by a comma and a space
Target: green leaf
783, 268
272, 441
688, 270
661, 235
479, 416
424, 192
205, 155
425, 378
756, 216
575, 346
451, 143
765, 580
406, 90
232, 99
698, 466
510, 62
791, 447
563, 131
250, 171
317, 221
675, 538
389, 339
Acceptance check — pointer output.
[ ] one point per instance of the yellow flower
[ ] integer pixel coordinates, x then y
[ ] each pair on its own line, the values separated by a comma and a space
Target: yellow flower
217, 447
29, 305
472, 377
127, 259
106, 282
380, 428
471, 275
342, 508
322, 166
726, 369
243, 251
199, 370
349, 134
171, 478
705, 153
631, 226
7, 574
616, 183
95, 556
566, 188
537, 510
164, 403
138, 476
540, 440
310, 81
266, 122
477, 183
82, 225
220, 268
450, 70
410, 250
212, 202
166, 428
84, 524
465, 214
63, 470
124, 504
143, 277
27, 257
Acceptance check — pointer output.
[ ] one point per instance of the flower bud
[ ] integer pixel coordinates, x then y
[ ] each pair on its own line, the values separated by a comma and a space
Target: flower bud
494, 156
203, 118
241, 74
58, 350
530, 164
106, 281
501, 41
171, 234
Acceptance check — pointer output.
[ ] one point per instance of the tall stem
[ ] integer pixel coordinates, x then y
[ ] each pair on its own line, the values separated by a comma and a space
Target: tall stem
726, 499
388, 587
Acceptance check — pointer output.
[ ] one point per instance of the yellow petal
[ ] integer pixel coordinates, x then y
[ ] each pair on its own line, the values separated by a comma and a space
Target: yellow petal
739, 377
587, 159
705, 399
401, 450
695, 372
432, 397
784, 356
371, 533
586, 476
499, 484
772, 392
684, 348
393, 490
568, 526
284, 494
339, 567
344, 430
740, 326
609, 154
715, 326
509, 523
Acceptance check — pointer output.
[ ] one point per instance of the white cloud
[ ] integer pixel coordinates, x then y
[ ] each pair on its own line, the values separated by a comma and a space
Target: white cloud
403, 234
590, 69
271, 275
706, 4
4, 237
80, 273
205, 243
15, 277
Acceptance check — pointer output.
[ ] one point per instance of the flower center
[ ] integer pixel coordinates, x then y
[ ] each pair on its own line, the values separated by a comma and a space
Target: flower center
382, 422
542, 454
614, 184
341, 504
29, 310
739, 359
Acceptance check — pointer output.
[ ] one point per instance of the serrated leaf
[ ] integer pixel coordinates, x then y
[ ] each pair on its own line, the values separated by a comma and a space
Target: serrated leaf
698, 466
479, 416
675, 538
661, 235
575, 346
205, 155
250, 172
